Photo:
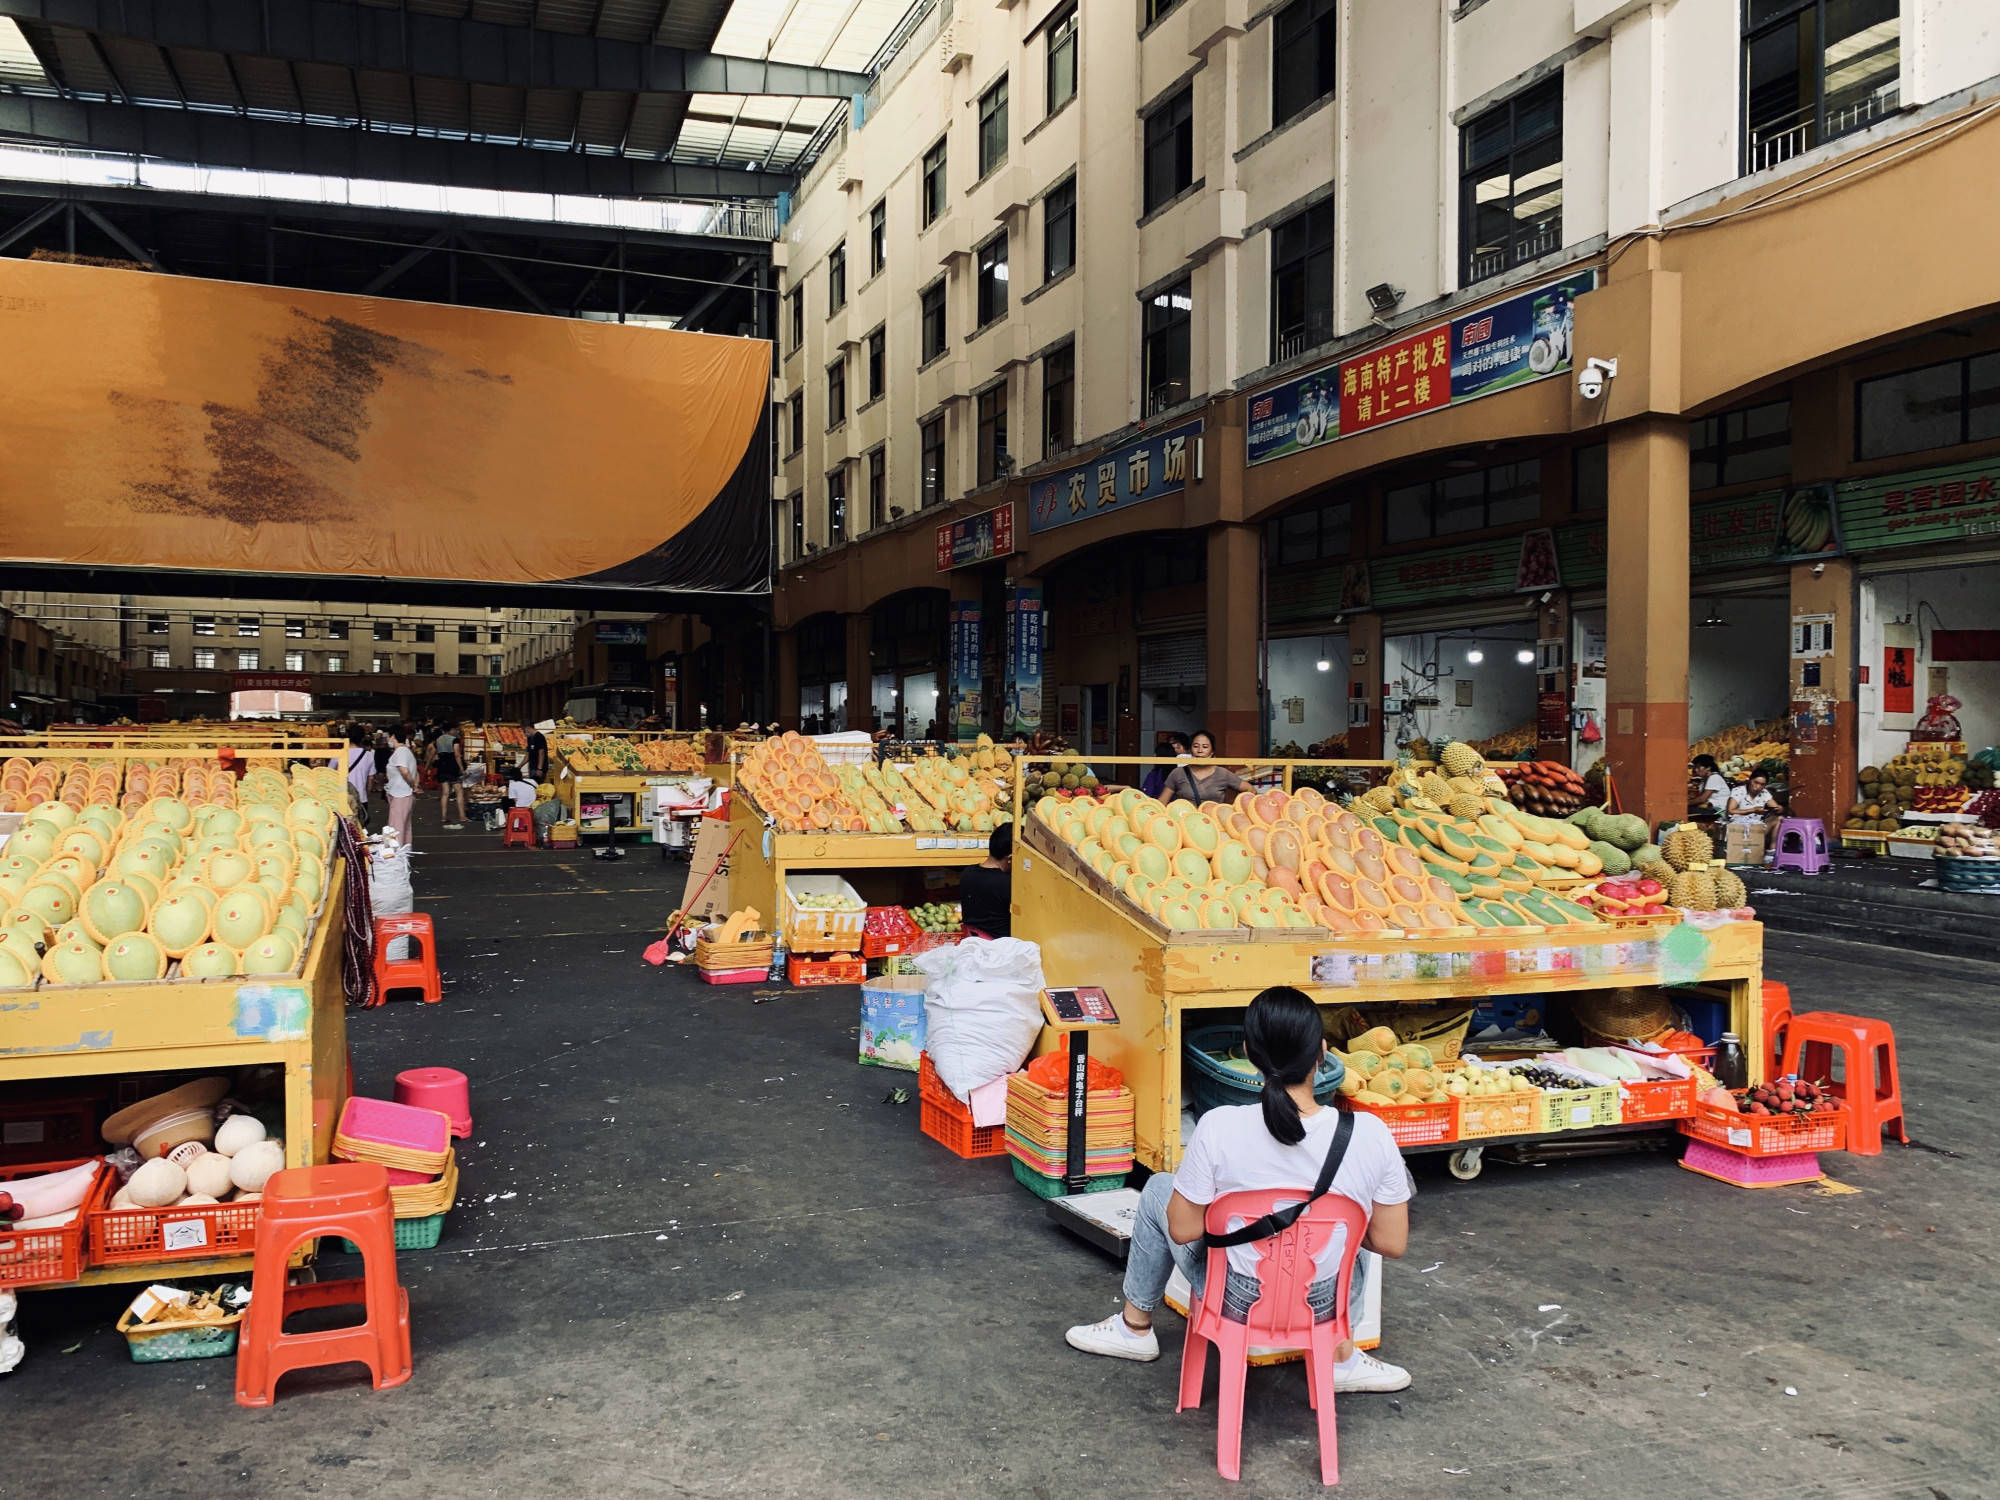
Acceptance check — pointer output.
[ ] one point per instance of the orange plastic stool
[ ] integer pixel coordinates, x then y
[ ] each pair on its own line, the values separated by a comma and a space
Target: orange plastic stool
1777, 1016
419, 971
520, 828
347, 1199
1871, 1089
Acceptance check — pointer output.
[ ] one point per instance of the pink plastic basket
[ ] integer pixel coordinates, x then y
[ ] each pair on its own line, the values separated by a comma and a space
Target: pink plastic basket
397, 1135
1751, 1171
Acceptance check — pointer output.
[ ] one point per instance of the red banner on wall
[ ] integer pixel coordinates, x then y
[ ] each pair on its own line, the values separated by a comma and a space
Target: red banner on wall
1402, 379
1899, 680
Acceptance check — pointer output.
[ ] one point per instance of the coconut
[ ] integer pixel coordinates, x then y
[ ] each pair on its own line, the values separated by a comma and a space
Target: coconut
237, 1132
157, 1184
208, 1174
254, 1165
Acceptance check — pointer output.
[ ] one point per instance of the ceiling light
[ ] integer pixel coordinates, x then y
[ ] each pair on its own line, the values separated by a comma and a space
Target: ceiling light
1713, 622
1524, 656
1475, 656
1324, 665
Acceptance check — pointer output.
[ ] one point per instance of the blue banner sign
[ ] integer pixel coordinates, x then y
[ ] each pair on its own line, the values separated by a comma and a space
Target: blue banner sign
1154, 466
1024, 661
966, 647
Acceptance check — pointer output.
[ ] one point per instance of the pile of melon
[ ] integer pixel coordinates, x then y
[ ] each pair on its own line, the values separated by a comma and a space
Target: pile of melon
27, 784
165, 890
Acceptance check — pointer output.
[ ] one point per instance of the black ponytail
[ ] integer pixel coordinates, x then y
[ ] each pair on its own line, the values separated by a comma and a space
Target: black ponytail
1285, 1038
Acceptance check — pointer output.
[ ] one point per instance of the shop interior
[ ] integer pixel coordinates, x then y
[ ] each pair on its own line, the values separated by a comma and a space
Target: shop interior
1947, 616
1308, 678
1468, 683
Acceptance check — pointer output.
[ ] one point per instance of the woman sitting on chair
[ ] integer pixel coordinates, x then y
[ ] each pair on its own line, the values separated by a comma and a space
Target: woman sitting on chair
1280, 1142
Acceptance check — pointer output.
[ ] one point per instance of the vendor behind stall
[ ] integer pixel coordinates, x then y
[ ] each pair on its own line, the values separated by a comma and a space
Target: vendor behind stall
1205, 783
1708, 792
986, 891
1752, 804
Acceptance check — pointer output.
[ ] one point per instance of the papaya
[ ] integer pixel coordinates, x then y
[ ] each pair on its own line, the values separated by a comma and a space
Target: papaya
1455, 842
1389, 828
1496, 827
1438, 862
1452, 881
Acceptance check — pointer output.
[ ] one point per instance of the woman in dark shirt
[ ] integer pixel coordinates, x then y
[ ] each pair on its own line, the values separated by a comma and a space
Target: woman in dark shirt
986, 891
1201, 783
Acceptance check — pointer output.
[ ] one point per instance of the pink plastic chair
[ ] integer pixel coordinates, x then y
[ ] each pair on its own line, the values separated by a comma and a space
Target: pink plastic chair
1286, 1267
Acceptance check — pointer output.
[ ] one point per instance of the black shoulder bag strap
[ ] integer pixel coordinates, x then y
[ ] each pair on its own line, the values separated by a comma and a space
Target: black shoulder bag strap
1285, 1218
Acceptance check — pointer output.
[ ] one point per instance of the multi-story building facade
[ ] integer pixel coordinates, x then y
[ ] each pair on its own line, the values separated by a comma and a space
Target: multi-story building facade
1245, 341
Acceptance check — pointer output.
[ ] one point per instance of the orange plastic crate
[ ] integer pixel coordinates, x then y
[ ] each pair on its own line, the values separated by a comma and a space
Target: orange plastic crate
138, 1236
949, 1123
1824, 1129
1666, 1099
842, 969
888, 930
1417, 1124
43, 1256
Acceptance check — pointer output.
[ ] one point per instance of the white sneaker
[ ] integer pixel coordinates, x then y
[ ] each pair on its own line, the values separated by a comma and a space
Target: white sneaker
1114, 1337
1364, 1373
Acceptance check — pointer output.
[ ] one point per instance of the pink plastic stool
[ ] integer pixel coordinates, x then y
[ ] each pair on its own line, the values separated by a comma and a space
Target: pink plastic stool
1801, 846
442, 1089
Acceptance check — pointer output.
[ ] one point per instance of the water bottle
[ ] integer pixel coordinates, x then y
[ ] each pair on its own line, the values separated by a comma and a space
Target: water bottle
778, 958
1731, 1069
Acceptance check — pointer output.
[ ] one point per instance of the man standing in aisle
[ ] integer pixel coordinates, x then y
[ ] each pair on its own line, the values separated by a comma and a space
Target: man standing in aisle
538, 752
401, 783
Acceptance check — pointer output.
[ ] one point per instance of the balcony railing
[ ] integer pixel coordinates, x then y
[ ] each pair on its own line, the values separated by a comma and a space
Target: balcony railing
1779, 140
1316, 329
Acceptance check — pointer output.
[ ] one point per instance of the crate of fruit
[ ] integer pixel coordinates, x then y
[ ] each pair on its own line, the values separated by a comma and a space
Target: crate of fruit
1822, 1129
138, 1236
50, 1246
1517, 1113
886, 931
1662, 1099
1417, 1124
822, 914
842, 968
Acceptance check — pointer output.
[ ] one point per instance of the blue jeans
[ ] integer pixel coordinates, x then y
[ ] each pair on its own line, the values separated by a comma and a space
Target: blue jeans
1153, 1254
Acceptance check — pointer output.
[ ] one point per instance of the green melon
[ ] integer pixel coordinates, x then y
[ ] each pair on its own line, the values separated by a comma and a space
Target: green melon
49, 900
135, 957
269, 955
77, 961
111, 909
35, 839
210, 961
61, 814
239, 919
180, 922
14, 974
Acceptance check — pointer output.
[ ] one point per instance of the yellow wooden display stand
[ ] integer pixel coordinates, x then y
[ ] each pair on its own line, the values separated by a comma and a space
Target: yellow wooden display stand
1160, 984
85, 1030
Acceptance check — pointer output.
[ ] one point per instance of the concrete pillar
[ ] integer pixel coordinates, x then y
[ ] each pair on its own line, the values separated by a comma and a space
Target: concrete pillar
860, 672
1825, 756
1646, 617
1235, 699
1364, 676
787, 706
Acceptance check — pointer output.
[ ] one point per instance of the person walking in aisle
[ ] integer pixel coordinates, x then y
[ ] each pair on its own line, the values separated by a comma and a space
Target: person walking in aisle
449, 769
360, 766
400, 782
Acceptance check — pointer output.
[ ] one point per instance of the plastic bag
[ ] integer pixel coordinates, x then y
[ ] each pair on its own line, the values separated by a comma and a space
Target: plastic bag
1940, 720
982, 1005
390, 892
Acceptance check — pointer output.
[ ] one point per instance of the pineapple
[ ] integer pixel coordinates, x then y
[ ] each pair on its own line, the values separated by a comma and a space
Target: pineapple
1460, 759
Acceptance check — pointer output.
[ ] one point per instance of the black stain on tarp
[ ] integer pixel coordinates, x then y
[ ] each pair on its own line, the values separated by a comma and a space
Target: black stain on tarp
282, 461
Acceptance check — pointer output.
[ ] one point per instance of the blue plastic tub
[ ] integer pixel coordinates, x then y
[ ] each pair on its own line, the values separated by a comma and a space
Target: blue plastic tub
1205, 1083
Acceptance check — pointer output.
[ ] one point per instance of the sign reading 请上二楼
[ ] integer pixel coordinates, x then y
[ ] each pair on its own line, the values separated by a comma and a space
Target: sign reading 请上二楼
1527, 337
973, 539
1153, 466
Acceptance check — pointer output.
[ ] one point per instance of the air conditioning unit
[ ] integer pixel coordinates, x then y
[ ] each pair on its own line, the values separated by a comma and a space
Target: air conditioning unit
953, 53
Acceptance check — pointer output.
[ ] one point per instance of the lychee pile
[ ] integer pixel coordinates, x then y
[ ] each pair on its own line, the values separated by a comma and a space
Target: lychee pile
1788, 1096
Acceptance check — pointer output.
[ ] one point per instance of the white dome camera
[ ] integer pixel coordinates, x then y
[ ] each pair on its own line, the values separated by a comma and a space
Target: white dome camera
1590, 380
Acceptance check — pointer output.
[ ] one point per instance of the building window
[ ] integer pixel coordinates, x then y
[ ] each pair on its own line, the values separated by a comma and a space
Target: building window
336, 661
336, 630
295, 630
1302, 282
878, 237
1314, 534
1590, 479
468, 666
427, 663
1937, 406
493, 666
1170, 148
468, 635
1058, 229
378, 663
495, 636
797, 304
249, 660
1498, 496
1061, 36
204, 658
932, 304
203, 624
295, 661
1815, 70
1169, 316
836, 393
158, 658
878, 359
836, 506
993, 127
1058, 399
1735, 447
993, 278
798, 506
836, 278
934, 187
384, 631
1301, 57
878, 487
1157, 8
424, 634
795, 414
1510, 183
249, 626
931, 460
156, 624
993, 460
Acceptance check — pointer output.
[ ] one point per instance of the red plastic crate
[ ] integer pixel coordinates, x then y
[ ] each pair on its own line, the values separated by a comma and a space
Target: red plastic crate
1417, 1124
887, 930
1824, 1129
1664, 1099
840, 969
139, 1236
949, 1123
44, 1256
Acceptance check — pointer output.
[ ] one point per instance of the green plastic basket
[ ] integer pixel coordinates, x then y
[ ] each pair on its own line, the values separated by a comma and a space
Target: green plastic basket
411, 1234
1058, 1187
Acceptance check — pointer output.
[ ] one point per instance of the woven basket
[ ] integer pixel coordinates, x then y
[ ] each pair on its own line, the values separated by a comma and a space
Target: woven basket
422, 1200
1621, 1013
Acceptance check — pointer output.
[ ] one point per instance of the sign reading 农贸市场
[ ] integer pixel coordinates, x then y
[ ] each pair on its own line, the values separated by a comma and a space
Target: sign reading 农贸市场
1947, 504
1153, 466
974, 539
1521, 339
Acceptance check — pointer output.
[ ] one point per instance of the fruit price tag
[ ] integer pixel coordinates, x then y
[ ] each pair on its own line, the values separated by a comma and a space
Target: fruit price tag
923, 844
1579, 1114
1738, 1137
1333, 968
185, 1234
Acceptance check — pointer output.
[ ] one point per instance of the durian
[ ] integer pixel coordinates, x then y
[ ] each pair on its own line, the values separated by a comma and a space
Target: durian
1685, 846
1729, 890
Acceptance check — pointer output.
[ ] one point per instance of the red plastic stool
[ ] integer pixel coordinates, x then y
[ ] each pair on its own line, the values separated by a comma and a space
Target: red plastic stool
344, 1199
520, 828
442, 1089
419, 970
1777, 1016
1871, 1088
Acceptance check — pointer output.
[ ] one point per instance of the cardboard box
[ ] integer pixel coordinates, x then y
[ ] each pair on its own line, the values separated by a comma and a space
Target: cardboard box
1743, 844
711, 856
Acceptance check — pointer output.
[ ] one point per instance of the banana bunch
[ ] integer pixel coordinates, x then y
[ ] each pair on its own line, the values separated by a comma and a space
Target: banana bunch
1807, 521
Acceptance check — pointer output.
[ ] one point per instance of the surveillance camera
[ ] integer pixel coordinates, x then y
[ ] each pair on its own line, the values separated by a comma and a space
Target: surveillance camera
1819, 570
1590, 380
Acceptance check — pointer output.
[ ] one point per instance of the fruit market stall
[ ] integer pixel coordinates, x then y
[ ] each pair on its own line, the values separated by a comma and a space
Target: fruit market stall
167, 926
1419, 899
602, 775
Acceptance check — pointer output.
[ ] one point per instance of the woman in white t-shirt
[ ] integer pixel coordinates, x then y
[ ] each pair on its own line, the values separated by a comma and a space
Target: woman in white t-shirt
1752, 803
1280, 1142
400, 782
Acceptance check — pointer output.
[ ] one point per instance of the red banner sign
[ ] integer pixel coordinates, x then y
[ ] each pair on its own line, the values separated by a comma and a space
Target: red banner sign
270, 682
1403, 379
1899, 680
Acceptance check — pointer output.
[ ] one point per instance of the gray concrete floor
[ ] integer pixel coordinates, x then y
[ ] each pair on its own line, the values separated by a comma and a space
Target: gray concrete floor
697, 1254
